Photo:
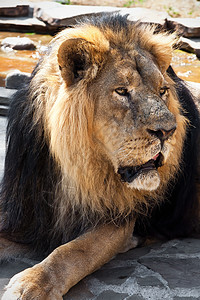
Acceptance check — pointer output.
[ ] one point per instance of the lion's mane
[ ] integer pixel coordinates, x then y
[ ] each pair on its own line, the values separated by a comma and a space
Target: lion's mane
57, 183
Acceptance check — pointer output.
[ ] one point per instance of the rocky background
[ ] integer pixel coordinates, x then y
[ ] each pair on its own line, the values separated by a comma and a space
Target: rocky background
50, 17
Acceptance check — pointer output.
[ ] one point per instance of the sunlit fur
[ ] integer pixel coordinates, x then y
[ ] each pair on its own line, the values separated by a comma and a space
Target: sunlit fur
89, 180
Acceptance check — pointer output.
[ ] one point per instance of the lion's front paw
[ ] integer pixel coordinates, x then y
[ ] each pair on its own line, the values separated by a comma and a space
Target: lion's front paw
28, 285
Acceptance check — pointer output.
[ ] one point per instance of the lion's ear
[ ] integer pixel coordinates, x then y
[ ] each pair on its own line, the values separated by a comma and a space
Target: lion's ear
162, 46
75, 57
164, 59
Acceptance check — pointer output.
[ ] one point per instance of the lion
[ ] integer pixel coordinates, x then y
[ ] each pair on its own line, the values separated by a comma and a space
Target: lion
102, 145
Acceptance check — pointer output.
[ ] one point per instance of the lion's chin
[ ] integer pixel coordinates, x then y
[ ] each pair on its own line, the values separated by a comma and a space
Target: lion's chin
143, 177
148, 181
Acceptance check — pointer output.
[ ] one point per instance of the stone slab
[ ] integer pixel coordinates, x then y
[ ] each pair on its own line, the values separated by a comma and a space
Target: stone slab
194, 87
3, 123
16, 79
55, 15
7, 270
3, 110
169, 271
184, 298
178, 273
190, 45
142, 278
108, 295
25, 24
80, 292
49, 17
145, 15
115, 275
5, 95
18, 43
187, 27
13, 10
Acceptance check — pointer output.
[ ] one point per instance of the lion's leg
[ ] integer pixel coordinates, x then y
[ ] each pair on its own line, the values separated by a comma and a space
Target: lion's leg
69, 263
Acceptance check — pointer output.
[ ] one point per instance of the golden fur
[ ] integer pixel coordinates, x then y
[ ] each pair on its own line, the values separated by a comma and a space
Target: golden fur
68, 114
103, 105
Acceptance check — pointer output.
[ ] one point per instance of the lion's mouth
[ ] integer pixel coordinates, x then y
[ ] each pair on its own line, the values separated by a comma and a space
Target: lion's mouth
129, 173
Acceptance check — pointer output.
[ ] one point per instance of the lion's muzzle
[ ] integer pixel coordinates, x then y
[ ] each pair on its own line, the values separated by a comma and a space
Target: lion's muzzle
129, 173
162, 133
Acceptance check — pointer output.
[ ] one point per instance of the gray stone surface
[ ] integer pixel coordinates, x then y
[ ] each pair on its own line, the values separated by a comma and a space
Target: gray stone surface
46, 16
5, 95
56, 14
24, 24
2, 147
191, 45
164, 272
18, 43
7, 270
16, 79
145, 15
168, 270
108, 295
187, 27
194, 88
12, 9
52, 13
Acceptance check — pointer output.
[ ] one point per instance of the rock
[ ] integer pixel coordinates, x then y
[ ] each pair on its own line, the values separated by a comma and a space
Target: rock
3, 112
16, 20
187, 27
24, 24
190, 45
177, 263
145, 15
49, 17
3, 123
56, 14
59, 15
177, 275
17, 266
13, 9
82, 292
18, 43
114, 276
5, 96
194, 88
108, 295
16, 79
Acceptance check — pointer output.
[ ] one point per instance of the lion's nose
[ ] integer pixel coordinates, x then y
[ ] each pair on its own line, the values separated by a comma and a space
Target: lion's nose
162, 133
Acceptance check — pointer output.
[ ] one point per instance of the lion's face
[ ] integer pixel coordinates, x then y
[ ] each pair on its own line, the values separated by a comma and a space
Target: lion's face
132, 121
136, 124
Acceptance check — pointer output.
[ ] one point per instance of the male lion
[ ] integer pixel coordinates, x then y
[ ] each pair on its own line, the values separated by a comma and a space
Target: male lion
103, 133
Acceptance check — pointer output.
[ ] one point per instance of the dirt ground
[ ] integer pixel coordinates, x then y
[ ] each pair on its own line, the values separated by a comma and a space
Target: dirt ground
175, 8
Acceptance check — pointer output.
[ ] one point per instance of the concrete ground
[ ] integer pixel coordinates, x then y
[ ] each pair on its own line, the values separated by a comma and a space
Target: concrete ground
168, 270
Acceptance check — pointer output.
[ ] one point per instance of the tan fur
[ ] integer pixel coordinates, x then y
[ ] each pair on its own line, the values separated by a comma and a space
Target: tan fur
69, 121
69, 263
92, 133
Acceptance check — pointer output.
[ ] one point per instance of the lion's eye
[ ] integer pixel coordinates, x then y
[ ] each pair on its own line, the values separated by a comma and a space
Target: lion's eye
163, 90
122, 91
